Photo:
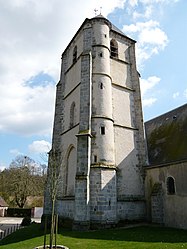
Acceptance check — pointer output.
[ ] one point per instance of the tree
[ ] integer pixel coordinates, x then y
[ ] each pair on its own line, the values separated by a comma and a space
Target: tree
22, 161
21, 180
25, 161
20, 185
52, 185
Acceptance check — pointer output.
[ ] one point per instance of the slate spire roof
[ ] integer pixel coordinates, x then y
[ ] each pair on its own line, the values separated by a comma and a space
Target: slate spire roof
167, 136
113, 27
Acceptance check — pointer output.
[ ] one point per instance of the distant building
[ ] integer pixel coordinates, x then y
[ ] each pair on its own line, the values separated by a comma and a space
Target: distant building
3, 207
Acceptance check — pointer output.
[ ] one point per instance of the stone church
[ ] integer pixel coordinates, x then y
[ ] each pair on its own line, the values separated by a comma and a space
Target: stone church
98, 130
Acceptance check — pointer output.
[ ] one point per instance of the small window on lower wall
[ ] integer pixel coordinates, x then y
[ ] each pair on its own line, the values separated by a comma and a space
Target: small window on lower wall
170, 186
102, 130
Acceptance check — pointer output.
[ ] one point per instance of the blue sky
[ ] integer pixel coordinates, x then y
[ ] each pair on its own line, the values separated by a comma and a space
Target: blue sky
35, 33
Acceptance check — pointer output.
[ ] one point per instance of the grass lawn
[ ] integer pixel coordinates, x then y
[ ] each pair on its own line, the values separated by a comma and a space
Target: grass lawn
130, 238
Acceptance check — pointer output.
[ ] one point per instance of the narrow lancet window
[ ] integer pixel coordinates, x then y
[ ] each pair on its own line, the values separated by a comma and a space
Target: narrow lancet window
102, 130
101, 85
72, 115
170, 186
75, 54
95, 158
114, 48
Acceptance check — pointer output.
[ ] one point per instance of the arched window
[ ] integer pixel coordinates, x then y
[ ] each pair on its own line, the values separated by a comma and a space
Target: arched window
170, 186
75, 54
114, 48
70, 172
72, 115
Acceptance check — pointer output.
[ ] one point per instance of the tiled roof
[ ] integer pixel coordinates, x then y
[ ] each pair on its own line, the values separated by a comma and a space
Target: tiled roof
3, 203
113, 27
167, 137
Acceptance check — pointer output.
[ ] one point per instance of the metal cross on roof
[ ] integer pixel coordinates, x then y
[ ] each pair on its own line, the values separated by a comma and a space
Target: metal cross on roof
95, 10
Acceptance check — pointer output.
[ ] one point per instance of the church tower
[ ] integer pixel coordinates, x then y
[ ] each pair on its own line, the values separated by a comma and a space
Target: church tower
98, 129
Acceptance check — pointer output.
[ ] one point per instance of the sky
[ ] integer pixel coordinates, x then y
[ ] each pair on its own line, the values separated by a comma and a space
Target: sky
33, 35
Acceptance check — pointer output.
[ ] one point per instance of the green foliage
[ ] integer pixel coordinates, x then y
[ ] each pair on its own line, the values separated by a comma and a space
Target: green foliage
18, 212
129, 238
20, 180
35, 201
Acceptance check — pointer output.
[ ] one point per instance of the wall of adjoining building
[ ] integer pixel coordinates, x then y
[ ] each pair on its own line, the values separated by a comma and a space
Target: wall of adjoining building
163, 207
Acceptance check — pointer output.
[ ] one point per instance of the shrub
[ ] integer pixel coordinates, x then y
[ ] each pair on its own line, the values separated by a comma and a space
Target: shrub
18, 212
26, 221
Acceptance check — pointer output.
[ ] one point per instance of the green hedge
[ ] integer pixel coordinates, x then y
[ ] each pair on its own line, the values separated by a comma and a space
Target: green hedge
19, 212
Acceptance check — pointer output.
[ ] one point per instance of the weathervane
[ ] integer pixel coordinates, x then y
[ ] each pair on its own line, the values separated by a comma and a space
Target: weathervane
95, 10
100, 10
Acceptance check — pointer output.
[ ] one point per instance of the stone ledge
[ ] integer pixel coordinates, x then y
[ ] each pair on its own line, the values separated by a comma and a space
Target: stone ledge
84, 133
103, 165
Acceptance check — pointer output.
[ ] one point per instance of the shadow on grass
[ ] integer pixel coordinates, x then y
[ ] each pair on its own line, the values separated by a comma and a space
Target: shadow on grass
136, 234
22, 234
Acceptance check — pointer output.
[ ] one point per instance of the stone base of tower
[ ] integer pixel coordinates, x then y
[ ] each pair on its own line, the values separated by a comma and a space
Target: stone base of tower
102, 225
92, 225
81, 225
103, 196
131, 210
126, 211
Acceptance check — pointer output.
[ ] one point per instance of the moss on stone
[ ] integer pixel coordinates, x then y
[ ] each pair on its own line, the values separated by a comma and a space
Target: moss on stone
167, 138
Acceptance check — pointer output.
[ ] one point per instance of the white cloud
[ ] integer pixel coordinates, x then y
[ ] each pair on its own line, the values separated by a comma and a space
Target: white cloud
146, 14
175, 95
145, 27
153, 36
151, 39
148, 102
26, 110
147, 84
2, 166
33, 36
15, 152
144, 9
185, 93
158, 1
133, 3
40, 146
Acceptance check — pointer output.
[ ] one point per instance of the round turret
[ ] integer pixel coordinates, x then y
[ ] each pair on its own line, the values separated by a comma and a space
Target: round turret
102, 121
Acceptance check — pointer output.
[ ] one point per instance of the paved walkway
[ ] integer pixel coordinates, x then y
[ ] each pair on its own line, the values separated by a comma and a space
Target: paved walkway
13, 220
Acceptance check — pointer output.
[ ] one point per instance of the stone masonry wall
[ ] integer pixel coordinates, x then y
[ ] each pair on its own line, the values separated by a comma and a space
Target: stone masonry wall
163, 207
103, 195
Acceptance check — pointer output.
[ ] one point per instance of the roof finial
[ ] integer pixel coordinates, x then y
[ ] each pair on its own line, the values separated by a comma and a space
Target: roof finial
95, 10
100, 10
